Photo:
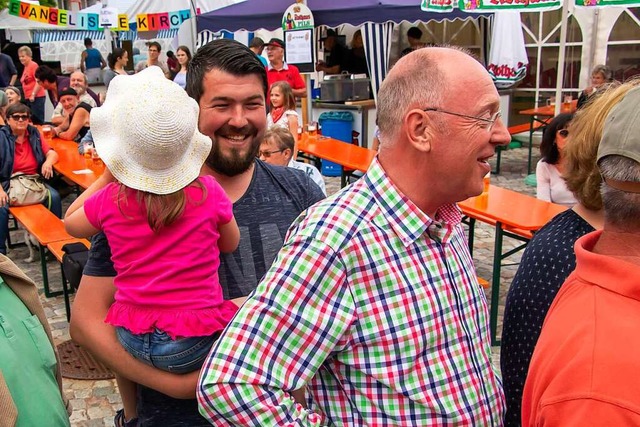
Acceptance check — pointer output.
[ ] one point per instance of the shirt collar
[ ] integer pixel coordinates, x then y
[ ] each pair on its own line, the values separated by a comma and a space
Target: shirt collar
605, 271
284, 67
404, 217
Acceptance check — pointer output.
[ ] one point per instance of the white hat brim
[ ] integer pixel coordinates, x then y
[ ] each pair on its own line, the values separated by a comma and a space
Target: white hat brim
116, 125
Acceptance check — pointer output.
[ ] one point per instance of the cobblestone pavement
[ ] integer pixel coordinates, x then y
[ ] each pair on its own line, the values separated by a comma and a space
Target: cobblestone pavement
94, 402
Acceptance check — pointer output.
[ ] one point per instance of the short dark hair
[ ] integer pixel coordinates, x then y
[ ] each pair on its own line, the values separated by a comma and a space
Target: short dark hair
414, 33
18, 107
156, 45
225, 55
548, 147
87, 42
169, 54
45, 74
256, 42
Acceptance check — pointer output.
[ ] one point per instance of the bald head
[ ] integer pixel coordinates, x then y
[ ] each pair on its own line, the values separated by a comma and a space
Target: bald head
439, 119
424, 78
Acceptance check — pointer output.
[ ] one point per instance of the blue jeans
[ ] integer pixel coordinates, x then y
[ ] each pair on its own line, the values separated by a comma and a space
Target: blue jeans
159, 350
54, 205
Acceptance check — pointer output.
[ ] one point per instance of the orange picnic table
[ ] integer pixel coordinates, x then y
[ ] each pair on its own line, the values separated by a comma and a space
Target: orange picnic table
349, 156
542, 115
514, 215
74, 166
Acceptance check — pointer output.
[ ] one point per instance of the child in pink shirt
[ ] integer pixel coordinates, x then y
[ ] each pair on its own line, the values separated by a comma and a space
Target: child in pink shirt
165, 224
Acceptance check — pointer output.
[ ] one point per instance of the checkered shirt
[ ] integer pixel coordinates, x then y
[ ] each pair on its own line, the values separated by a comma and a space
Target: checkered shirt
383, 324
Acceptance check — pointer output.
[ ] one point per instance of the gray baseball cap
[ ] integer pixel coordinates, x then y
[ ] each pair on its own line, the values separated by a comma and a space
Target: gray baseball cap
621, 133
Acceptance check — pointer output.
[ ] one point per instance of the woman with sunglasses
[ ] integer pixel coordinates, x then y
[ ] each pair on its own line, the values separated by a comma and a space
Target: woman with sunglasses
550, 184
23, 151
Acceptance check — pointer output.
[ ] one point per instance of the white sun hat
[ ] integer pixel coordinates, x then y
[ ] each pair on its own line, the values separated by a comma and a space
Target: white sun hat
146, 132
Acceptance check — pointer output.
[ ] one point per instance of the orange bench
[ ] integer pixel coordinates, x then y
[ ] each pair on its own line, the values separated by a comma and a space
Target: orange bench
55, 249
46, 228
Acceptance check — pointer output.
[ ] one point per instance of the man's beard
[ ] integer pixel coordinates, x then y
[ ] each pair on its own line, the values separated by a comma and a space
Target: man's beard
79, 90
234, 163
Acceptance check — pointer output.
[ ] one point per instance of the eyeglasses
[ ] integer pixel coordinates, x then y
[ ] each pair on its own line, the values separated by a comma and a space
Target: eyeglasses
20, 117
489, 122
267, 154
563, 133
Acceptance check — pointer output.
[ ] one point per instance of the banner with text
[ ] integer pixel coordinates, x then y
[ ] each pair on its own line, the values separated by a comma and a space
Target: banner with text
93, 22
493, 5
603, 3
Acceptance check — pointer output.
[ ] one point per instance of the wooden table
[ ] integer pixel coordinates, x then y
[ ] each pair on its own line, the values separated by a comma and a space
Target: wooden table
70, 161
347, 155
543, 115
514, 215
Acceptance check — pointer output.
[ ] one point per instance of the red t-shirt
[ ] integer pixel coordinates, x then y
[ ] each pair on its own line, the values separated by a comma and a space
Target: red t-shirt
24, 161
289, 73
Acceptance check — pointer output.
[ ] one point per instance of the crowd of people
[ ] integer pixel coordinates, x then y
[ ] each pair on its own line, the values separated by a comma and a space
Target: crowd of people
223, 287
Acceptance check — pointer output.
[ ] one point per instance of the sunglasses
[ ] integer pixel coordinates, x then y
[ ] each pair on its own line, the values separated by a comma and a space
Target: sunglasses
563, 133
20, 117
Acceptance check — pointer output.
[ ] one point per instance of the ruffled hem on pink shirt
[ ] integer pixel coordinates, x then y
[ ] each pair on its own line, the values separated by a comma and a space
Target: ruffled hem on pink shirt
176, 323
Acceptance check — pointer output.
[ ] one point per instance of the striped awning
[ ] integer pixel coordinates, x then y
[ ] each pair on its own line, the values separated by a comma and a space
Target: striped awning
207, 36
42, 36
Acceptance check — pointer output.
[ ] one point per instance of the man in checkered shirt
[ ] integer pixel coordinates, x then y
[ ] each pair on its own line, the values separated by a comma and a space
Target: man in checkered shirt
373, 306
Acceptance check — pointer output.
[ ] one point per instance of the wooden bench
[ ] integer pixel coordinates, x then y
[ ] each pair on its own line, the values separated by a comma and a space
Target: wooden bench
514, 130
55, 249
46, 228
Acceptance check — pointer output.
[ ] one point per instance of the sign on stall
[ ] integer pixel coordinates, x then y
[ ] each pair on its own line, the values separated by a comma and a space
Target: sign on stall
297, 24
108, 17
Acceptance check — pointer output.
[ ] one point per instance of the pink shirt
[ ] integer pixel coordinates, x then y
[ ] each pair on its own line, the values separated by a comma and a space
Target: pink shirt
169, 279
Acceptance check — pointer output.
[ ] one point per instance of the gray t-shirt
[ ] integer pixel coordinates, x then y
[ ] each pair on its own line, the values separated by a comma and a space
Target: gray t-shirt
275, 197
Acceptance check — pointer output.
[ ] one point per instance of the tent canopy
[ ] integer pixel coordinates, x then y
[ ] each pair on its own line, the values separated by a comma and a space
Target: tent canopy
252, 15
378, 18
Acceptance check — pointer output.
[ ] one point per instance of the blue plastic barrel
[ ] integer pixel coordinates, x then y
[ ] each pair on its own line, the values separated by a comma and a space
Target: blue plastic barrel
337, 125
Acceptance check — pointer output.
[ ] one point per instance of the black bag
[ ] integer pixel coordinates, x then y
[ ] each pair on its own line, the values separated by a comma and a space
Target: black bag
73, 262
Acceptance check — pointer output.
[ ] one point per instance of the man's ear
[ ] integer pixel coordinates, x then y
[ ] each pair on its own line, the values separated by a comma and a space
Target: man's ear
288, 154
419, 130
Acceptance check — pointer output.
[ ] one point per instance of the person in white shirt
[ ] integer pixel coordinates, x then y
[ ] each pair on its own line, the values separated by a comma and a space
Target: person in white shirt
277, 149
550, 184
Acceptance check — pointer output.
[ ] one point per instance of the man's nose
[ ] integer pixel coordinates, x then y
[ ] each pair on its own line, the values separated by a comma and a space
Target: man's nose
499, 133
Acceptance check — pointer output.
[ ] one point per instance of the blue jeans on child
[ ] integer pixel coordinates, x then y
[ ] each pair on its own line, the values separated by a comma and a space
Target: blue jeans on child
159, 350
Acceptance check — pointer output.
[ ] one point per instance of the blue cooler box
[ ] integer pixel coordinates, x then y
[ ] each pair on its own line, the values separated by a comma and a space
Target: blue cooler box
337, 125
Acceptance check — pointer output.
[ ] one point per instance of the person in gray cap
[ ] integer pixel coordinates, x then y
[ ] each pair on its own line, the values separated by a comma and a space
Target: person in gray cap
584, 370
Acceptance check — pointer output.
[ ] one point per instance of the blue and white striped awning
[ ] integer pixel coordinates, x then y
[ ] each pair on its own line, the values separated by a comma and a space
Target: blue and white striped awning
42, 36
207, 36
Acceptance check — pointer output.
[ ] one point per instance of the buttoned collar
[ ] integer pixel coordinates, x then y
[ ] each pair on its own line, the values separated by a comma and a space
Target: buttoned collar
404, 217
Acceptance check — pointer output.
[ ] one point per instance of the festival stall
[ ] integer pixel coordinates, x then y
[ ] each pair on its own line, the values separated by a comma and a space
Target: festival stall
378, 19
